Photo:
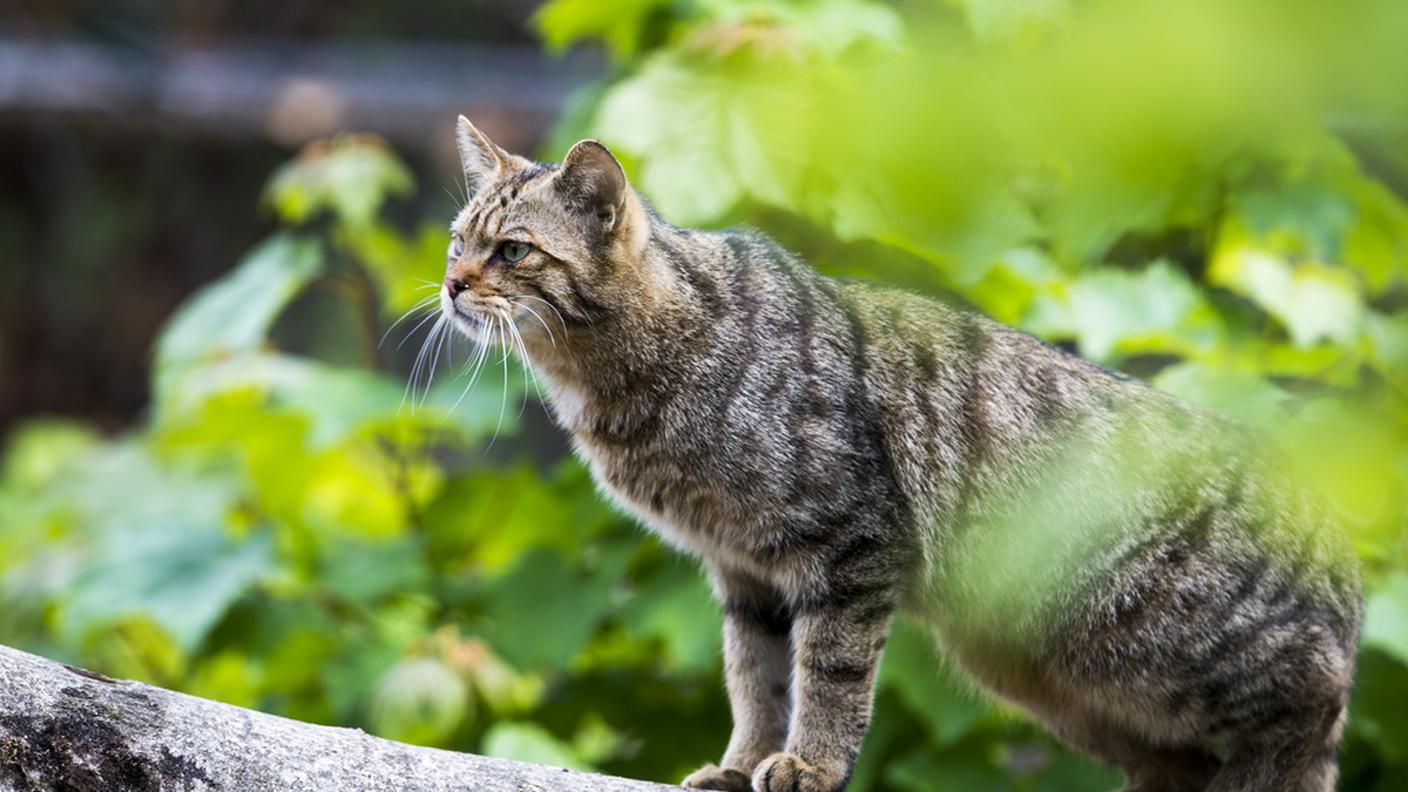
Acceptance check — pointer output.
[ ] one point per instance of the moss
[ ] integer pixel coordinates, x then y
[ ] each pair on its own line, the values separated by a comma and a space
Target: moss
69, 752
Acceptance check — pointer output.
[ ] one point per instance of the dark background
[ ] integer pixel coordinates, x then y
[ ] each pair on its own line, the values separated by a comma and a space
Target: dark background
136, 138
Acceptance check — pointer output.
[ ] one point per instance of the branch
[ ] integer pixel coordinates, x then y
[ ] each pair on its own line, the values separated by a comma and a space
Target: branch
65, 728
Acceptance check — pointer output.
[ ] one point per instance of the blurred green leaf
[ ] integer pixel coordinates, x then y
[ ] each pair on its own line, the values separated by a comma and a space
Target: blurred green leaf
40, 450
676, 607
923, 771
621, 25
547, 629
1109, 311
1246, 396
350, 175
995, 19
927, 687
233, 314
362, 571
419, 701
717, 147
183, 576
1376, 710
1386, 619
1311, 300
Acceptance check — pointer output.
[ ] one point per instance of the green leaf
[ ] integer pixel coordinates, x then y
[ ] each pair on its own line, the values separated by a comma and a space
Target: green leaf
549, 628
734, 132
420, 701
1311, 300
1376, 711
997, 19
40, 450
351, 176
1388, 345
923, 771
621, 24
406, 269
182, 576
927, 686
338, 402
676, 607
361, 571
1112, 311
1311, 216
1070, 772
234, 314
830, 27
1386, 618
1245, 396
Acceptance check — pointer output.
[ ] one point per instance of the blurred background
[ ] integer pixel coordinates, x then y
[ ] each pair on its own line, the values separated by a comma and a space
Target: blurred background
228, 469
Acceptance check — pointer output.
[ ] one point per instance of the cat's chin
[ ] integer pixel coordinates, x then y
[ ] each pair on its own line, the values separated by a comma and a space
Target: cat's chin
473, 325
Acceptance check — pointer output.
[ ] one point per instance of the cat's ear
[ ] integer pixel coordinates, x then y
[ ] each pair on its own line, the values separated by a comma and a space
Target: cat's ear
481, 159
592, 181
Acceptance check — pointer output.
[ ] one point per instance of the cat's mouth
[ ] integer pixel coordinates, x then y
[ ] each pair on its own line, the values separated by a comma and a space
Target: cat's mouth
471, 321
475, 319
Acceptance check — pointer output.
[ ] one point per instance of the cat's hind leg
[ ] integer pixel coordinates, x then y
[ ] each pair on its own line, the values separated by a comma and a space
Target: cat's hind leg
1147, 767
1300, 758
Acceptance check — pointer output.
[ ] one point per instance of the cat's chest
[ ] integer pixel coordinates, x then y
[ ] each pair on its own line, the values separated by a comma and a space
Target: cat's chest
635, 457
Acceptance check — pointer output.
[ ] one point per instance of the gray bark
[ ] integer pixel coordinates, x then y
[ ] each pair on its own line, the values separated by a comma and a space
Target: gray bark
63, 728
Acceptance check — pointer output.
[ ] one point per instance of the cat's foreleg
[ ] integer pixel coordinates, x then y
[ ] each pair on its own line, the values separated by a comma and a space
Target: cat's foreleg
838, 640
757, 667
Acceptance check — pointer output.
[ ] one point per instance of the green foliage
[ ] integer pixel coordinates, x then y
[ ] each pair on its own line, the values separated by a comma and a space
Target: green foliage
1205, 193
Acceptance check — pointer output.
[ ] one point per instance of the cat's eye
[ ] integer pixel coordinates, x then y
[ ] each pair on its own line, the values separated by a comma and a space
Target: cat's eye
515, 251
457, 245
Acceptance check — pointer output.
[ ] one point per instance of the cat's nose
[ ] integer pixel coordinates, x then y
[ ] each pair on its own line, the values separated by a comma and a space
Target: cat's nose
454, 286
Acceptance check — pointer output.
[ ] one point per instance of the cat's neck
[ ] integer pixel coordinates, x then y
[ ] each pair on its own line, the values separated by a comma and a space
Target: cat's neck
652, 308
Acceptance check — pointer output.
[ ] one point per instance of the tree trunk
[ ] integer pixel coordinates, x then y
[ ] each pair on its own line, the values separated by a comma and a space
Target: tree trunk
63, 728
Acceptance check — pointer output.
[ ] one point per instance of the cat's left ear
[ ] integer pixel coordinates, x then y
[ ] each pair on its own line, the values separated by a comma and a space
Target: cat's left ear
592, 181
481, 158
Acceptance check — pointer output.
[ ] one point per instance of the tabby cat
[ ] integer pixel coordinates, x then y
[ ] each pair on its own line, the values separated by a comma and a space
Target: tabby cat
1128, 569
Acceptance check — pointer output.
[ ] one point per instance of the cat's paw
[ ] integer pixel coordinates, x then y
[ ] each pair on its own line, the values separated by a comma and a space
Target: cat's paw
785, 772
713, 777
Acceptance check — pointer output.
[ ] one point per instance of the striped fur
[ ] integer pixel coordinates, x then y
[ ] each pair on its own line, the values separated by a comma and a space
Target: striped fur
1130, 570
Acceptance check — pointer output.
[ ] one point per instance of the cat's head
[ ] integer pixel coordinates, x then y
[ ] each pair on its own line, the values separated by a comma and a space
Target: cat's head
538, 246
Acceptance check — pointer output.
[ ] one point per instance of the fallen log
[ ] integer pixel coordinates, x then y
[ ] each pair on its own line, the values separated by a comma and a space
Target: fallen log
64, 728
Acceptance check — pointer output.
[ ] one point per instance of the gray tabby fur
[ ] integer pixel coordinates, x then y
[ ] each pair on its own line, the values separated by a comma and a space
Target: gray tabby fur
1128, 569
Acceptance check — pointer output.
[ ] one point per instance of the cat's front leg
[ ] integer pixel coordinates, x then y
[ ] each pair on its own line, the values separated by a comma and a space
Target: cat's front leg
838, 638
757, 667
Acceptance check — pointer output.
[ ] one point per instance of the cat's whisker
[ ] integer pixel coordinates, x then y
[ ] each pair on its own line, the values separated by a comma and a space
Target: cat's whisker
561, 322
435, 360
503, 402
417, 328
422, 304
480, 354
541, 322
527, 365
415, 367
427, 353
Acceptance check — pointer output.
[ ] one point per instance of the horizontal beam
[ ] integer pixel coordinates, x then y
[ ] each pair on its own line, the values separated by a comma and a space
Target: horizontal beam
291, 92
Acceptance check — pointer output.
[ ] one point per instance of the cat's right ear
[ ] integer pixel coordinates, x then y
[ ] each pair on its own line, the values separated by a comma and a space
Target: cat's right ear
592, 181
481, 159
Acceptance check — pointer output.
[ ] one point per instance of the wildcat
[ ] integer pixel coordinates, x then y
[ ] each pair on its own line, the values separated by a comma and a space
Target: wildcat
1129, 570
